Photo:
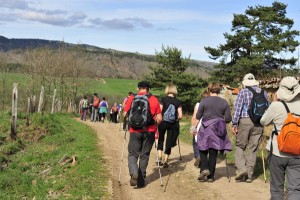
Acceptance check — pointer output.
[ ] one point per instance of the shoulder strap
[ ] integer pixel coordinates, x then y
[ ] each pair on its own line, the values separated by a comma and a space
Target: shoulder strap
262, 91
251, 89
286, 107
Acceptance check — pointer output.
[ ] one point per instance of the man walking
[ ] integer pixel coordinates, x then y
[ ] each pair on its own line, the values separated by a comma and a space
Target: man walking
247, 133
141, 139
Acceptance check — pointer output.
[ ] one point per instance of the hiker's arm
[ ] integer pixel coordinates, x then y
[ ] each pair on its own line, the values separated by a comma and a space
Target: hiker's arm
158, 118
179, 112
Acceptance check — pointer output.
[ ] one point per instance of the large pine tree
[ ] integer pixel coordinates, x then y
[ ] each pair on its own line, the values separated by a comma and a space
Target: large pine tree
260, 37
171, 68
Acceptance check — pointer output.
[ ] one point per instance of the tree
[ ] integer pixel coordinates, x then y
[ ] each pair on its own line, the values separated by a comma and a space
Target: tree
260, 37
171, 69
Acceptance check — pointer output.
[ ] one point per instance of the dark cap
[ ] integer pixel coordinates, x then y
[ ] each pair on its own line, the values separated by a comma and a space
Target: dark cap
95, 94
143, 84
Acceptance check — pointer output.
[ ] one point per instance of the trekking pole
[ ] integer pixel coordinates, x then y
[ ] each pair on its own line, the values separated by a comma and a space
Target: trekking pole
179, 149
227, 171
158, 165
122, 157
263, 162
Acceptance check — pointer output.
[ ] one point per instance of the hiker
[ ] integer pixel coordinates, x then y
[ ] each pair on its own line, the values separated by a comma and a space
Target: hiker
124, 104
103, 106
172, 113
119, 113
194, 130
95, 104
283, 166
141, 139
83, 104
212, 135
247, 133
113, 113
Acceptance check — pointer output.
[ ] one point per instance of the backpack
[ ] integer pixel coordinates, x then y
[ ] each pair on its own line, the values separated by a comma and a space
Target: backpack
289, 138
84, 104
258, 105
96, 102
170, 114
140, 116
114, 109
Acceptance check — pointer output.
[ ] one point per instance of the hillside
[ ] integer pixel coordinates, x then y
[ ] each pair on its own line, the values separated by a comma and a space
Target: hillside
98, 62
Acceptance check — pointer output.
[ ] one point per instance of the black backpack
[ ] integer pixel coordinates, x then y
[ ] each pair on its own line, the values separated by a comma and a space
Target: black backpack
140, 116
258, 105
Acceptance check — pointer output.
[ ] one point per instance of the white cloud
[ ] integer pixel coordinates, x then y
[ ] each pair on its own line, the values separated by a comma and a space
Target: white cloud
58, 20
14, 4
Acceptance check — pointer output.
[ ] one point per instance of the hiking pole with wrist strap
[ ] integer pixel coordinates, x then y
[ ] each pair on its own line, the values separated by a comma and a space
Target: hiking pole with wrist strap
122, 157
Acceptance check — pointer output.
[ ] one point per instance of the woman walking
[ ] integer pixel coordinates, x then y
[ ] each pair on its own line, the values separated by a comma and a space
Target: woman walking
172, 113
212, 136
103, 106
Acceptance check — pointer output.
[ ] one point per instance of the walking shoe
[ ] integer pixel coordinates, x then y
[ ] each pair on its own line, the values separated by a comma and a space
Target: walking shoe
197, 162
240, 175
165, 165
203, 175
159, 161
134, 179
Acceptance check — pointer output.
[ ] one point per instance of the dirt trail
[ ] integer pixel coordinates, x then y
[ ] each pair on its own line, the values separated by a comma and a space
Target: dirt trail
179, 180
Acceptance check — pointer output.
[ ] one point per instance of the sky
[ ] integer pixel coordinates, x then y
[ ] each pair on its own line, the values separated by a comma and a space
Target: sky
142, 26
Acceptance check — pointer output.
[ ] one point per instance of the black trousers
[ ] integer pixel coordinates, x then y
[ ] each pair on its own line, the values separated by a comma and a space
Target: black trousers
209, 161
172, 135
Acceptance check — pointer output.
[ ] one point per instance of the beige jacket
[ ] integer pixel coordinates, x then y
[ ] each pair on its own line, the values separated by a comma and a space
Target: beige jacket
276, 114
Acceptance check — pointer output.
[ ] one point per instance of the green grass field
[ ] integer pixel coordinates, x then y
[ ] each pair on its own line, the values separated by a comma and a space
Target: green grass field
39, 164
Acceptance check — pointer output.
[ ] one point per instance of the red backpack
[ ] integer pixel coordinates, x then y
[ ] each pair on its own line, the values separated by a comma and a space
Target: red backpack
96, 102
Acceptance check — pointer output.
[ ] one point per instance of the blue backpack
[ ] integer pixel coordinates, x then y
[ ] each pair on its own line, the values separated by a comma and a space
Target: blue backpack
170, 114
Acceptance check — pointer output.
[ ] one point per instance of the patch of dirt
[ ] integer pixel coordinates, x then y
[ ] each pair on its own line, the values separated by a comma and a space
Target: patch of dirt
179, 180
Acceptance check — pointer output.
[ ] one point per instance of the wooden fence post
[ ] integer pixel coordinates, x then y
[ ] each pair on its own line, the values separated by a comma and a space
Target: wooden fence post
33, 104
41, 101
28, 111
13, 134
53, 101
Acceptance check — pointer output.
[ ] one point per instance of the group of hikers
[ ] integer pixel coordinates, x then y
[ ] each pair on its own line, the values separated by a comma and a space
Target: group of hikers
98, 109
253, 110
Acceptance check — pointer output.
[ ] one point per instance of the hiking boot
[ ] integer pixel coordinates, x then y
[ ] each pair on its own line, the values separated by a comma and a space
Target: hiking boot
249, 179
165, 165
141, 183
240, 175
203, 175
197, 162
210, 180
134, 179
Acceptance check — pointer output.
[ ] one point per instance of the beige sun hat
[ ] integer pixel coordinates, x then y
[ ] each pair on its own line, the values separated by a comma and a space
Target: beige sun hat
288, 88
249, 80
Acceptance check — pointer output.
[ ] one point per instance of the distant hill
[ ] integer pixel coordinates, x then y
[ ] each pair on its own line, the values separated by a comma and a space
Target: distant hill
102, 62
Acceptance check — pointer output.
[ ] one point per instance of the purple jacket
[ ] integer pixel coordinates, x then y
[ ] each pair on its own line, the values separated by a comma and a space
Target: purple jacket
213, 134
